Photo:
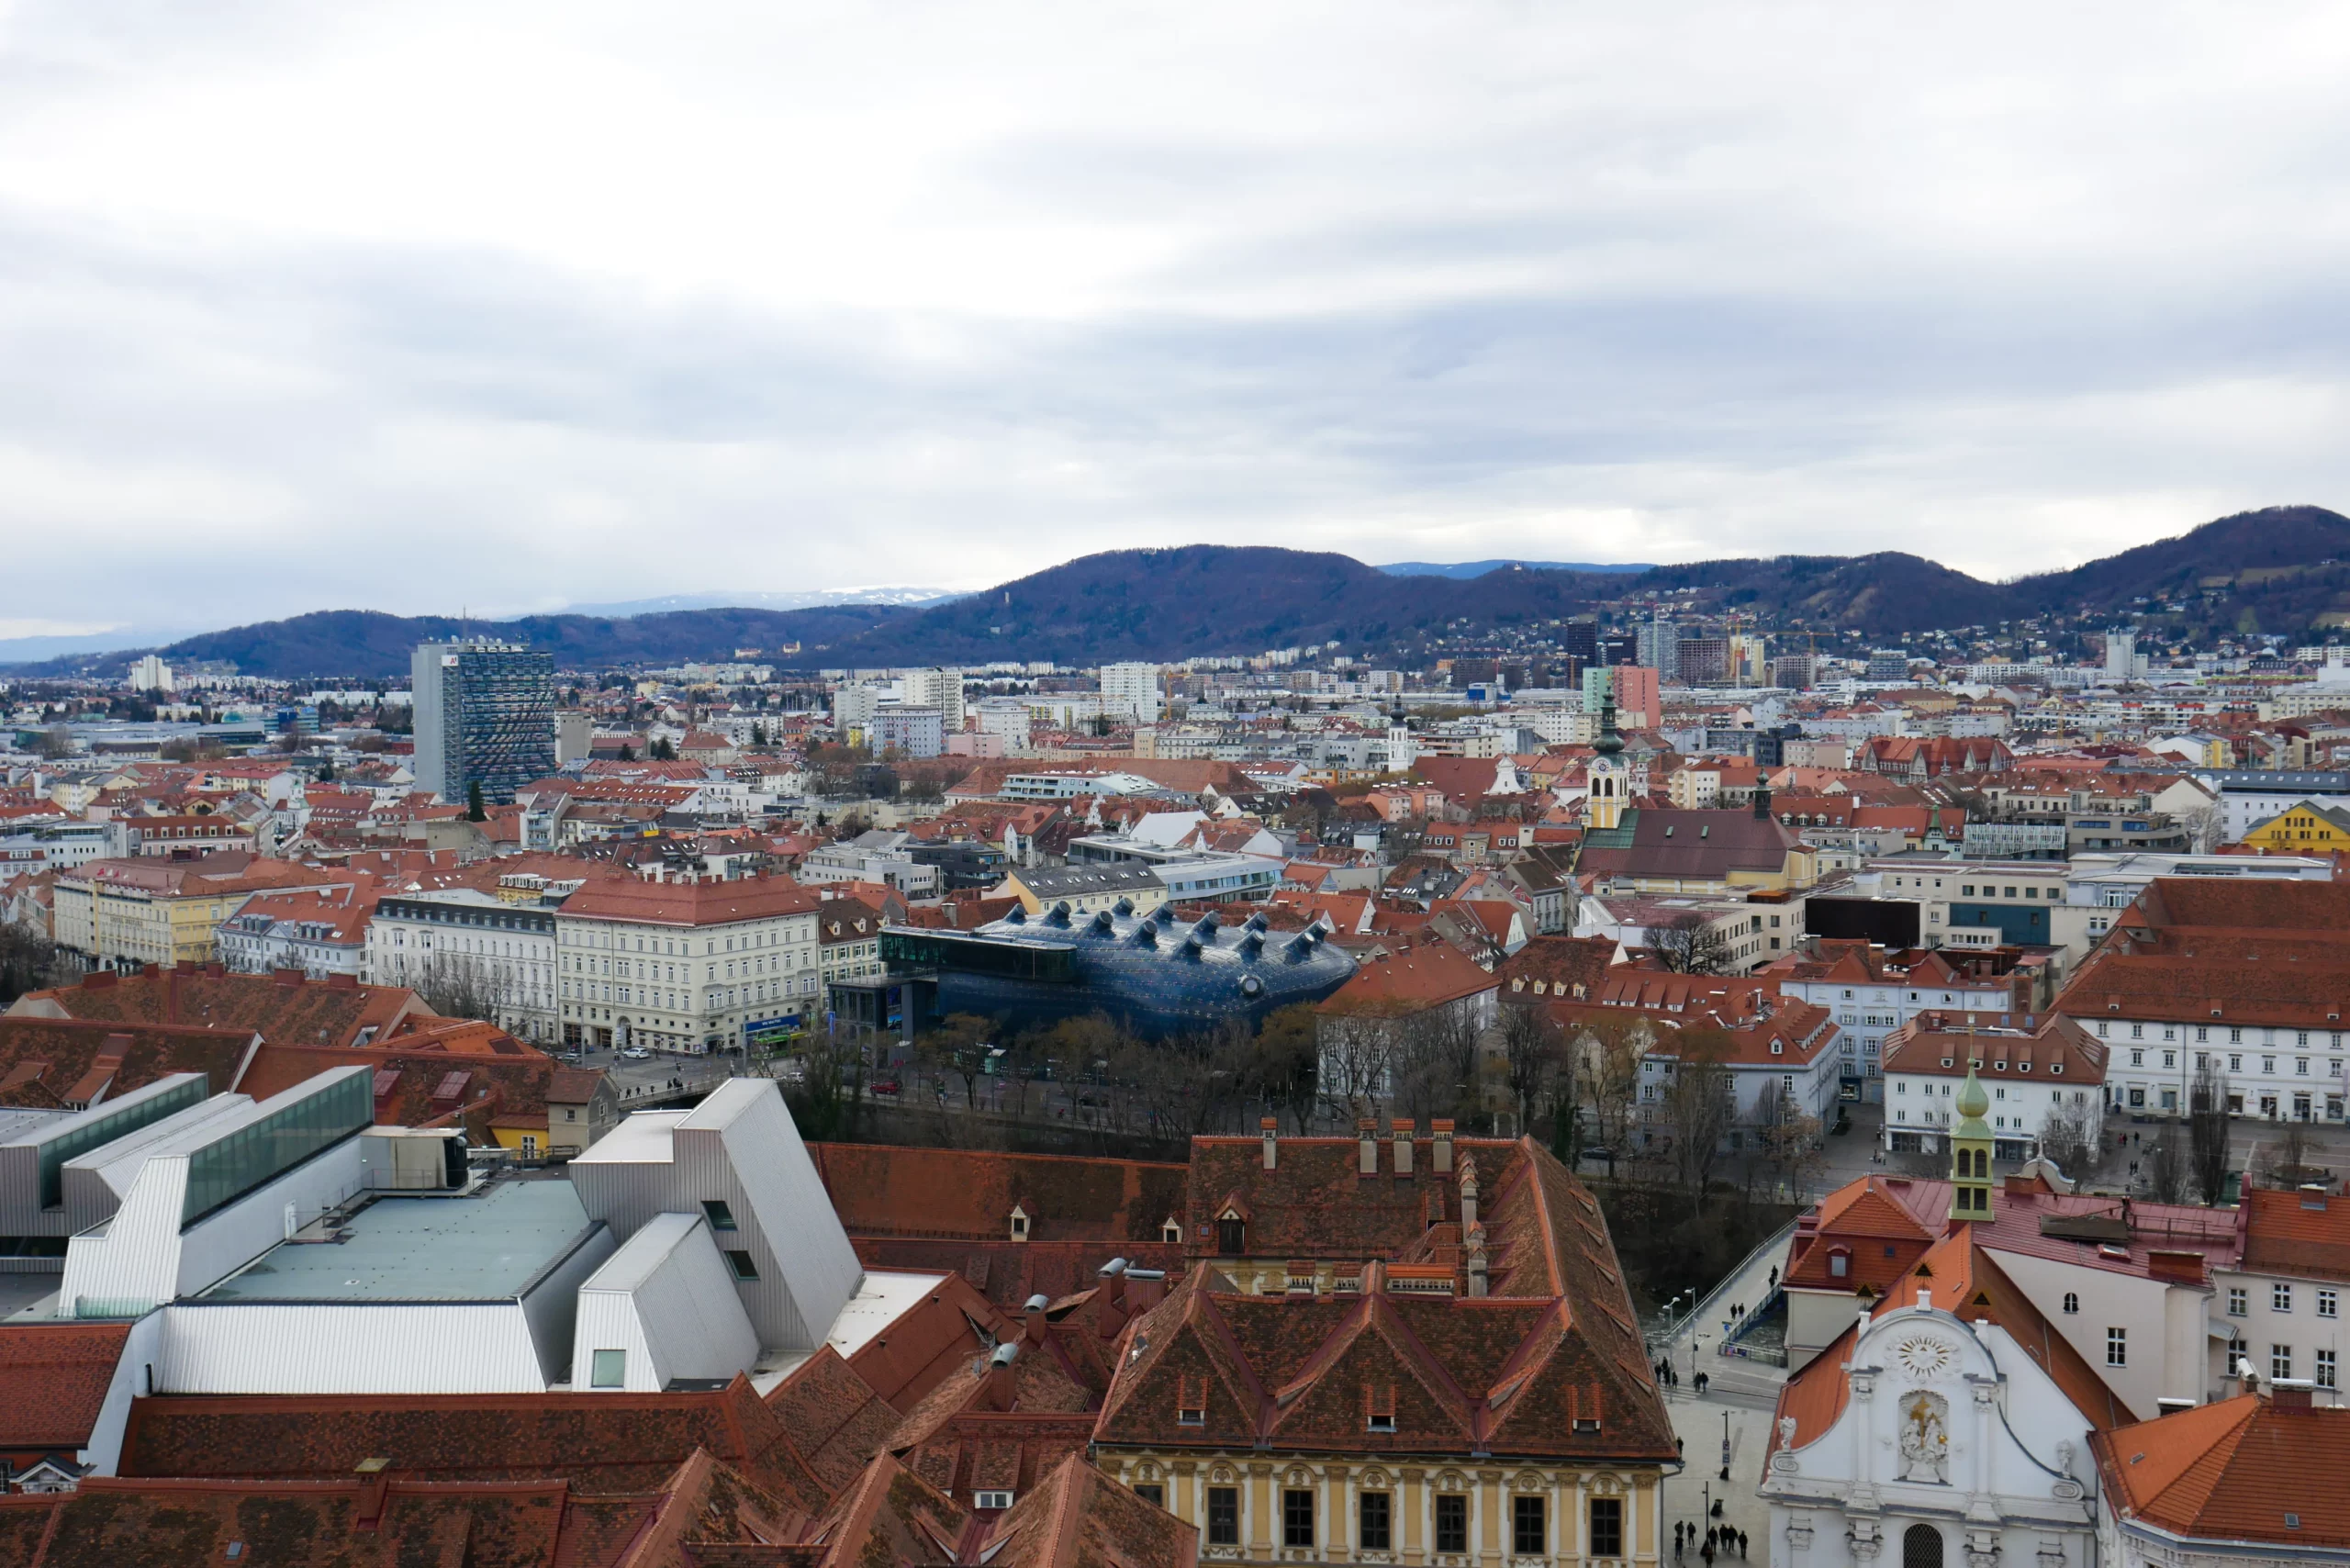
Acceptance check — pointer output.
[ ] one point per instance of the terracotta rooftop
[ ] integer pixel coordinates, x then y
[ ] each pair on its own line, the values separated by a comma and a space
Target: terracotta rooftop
2244, 1470
53, 1378
691, 904
882, 1190
55, 1063
2296, 1234
285, 1009
1408, 978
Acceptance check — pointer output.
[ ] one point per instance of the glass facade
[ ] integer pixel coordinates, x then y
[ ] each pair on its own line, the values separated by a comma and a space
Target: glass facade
485, 714
103, 1126
1157, 980
220, 1173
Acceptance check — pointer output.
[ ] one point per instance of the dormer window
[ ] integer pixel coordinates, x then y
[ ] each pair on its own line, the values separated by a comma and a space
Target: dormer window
1840, 1262
1019, 1222
1232, 1236
1171, 1232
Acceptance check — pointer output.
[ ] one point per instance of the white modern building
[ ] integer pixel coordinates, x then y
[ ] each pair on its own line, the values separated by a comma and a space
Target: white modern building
150, 673
939, 689
1131, 691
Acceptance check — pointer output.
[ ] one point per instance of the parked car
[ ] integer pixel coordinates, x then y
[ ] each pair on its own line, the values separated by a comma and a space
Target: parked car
884, 1086
637, 1053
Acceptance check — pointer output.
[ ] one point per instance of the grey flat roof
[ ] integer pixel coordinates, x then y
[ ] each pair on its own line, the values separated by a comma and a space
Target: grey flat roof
484, 1247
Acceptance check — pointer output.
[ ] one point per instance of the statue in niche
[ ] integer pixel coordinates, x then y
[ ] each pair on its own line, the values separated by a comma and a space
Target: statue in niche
1925, 1438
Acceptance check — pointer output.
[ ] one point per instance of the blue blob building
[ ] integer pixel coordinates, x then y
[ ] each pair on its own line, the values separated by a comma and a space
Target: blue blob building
1154, 975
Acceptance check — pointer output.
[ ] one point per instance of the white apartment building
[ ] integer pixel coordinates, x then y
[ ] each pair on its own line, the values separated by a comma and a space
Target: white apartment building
2299, 1071
459, 936
1131, 691
2028, 1065
1006, 717
939, 689
150, 673
2281, 1300
688, 966
1871, 996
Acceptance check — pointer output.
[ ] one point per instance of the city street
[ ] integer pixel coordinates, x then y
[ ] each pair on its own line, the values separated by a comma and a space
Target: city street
1700, 1424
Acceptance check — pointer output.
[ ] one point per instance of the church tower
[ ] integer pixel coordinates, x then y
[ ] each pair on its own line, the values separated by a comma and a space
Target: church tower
1401, 751
1610, 783
1970, 1143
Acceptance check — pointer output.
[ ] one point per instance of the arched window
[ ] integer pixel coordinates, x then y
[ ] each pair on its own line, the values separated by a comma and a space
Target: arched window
1921, 1547
2072, 1302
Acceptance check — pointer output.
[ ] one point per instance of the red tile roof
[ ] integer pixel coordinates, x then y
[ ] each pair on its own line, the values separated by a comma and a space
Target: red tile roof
53, 1378
604, 1444
2243, 1470
882, 1190
283, 1009
49, 1063
1409, 978
691, 904
2306, 1236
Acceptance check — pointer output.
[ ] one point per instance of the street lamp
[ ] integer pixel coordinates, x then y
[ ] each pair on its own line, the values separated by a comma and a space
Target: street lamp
1725, 1445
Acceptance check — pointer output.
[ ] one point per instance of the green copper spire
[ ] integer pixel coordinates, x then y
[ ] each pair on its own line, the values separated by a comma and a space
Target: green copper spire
1970, 1144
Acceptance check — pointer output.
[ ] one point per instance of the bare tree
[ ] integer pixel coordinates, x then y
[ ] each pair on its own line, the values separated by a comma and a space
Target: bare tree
28, 961
1789, 1134
2286, 1161
1697, 1109
456, 985
1436, 1063
56, 741
1355, 1065
1533, 1053
958, 1046
1608, 1057
1283, 1062
2207, 1114
1689, 943
2166, 1166
2072, 1137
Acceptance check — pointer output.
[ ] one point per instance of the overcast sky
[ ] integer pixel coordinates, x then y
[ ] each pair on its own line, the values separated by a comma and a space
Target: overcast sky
506, 305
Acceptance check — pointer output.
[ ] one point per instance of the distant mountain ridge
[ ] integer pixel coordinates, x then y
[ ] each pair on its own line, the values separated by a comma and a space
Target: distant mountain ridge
2280, 569
1479, 569
735, 598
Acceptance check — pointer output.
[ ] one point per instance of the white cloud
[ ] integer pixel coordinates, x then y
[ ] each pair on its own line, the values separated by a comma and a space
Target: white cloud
416, 304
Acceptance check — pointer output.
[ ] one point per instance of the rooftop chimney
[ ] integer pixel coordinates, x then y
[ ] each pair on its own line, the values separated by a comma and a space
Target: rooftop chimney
1271, 1128
1441, 1158
1146, 1288
1475, 1235
1001, 1394
1402, 1127
1367, 1146
1468, 1194
1032, 1318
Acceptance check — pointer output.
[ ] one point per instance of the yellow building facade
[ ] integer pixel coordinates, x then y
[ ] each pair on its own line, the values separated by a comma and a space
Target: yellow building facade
1442, 1513
2304, 828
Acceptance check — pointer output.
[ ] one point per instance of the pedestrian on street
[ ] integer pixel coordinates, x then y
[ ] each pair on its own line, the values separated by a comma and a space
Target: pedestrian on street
1741, 1543
1775, 1276
1707, 1554
1676, 1539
